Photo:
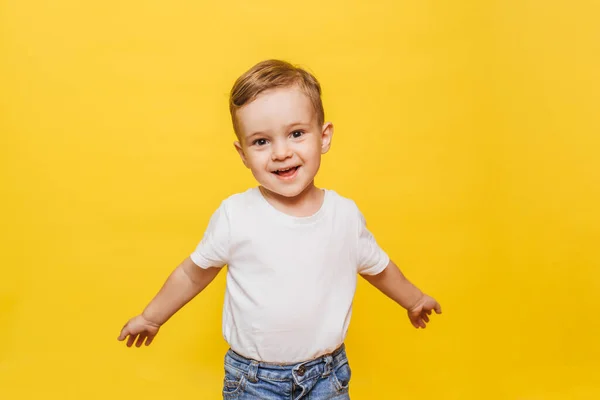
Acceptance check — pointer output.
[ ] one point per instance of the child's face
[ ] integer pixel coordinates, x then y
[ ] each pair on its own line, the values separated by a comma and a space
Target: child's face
281, 140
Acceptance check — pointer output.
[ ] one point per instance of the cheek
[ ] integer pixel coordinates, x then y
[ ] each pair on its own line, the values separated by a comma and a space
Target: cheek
311, 152
258, 159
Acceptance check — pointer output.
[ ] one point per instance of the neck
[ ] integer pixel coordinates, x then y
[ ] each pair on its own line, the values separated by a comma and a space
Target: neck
305, 204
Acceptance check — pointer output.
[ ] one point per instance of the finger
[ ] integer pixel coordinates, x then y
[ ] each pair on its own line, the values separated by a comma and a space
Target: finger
131, 340
149, 340
123, 334
438, 308
140, 340
425, 317
428, 312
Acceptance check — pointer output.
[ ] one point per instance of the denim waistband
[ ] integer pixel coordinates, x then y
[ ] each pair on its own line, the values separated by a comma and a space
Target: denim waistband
320, 366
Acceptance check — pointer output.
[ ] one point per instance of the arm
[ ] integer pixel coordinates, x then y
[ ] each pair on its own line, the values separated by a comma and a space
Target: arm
392, 282
184, 283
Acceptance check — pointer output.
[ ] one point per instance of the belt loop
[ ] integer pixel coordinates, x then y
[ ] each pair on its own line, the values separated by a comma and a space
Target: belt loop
328, 365
253, 371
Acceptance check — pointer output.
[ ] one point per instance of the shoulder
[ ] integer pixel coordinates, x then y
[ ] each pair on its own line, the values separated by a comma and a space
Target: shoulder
239, 198
343, 204
241, 202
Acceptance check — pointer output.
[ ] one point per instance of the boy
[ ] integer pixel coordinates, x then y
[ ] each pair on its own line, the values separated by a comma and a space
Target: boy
293, 252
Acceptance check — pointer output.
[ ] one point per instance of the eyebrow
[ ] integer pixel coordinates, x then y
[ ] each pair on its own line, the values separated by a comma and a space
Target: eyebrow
255, 134
288, 127
295, 124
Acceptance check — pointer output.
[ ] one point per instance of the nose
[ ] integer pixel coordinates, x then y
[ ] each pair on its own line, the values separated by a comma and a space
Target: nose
280, 152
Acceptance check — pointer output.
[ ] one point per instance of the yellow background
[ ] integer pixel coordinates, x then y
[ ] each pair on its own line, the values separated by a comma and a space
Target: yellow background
467, 132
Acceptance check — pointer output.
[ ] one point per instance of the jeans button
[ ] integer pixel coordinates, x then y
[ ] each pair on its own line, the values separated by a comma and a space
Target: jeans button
301, 371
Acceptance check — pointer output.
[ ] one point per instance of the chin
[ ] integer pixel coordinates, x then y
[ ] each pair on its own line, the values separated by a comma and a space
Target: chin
285, 192
289, 192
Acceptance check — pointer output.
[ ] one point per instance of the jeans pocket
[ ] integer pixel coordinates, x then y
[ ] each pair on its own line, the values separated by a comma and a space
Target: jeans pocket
234, 383
341, 376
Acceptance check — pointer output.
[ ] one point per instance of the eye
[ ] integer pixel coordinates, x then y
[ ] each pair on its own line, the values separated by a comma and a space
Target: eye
260, 142
297, 134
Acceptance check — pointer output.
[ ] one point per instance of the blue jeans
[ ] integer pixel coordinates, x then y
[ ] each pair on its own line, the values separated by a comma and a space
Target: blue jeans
324, 378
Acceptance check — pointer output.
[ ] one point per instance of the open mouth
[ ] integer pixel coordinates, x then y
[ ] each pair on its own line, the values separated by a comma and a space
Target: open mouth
286, 172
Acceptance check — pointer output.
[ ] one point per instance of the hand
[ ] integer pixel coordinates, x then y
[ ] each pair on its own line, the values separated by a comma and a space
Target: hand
420, 312
141, 329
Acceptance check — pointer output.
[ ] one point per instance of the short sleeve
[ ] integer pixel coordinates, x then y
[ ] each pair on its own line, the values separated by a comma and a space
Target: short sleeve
371, 258
213, 249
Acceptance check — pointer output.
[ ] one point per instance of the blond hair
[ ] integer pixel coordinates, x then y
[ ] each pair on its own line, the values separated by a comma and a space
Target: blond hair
270, 74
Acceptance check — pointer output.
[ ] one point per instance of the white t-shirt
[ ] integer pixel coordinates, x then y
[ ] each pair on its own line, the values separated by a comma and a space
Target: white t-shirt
291, 280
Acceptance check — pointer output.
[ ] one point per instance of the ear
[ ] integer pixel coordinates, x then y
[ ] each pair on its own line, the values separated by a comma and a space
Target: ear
326, 137
240, 151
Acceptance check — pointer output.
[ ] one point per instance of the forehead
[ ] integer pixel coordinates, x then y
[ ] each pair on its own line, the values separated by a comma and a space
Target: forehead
274, 109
